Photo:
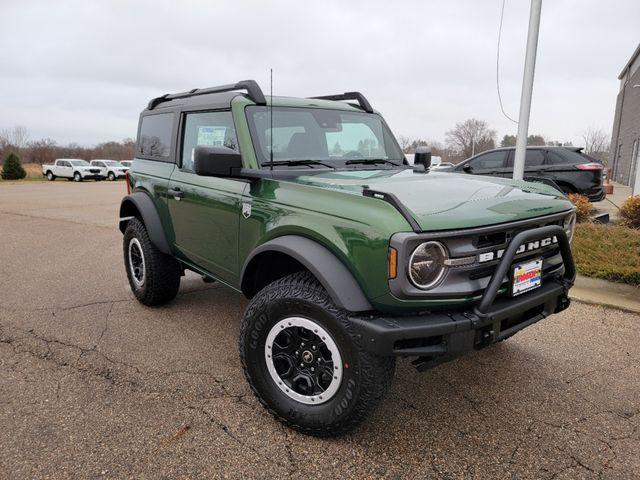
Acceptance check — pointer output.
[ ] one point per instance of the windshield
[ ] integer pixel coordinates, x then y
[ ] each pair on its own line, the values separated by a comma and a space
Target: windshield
333, 137
112, 163
79, 163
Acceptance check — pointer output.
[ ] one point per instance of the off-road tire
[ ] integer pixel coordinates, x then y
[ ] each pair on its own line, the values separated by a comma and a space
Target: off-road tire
162, 272
366, 376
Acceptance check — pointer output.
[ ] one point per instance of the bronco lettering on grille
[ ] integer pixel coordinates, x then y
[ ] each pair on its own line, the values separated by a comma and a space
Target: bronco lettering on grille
526, 247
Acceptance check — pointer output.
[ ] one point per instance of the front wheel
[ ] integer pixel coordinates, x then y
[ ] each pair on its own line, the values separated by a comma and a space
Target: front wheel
304, 362
77, 177
111, 176
154, 277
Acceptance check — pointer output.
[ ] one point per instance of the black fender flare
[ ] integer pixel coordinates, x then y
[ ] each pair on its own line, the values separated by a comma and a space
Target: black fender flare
140, 204
334, 276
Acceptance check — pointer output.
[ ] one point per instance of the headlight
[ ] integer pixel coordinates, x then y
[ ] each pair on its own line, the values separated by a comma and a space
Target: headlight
569, 224
426, 265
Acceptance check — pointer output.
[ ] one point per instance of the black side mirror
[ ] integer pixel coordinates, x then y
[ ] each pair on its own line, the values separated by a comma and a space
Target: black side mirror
467, 168
216, 161
423, 157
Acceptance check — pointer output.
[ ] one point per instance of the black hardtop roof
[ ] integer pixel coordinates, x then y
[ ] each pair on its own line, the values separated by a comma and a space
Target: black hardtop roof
221, 97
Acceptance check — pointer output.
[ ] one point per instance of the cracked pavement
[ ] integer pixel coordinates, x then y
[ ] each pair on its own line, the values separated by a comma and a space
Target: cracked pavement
94, 385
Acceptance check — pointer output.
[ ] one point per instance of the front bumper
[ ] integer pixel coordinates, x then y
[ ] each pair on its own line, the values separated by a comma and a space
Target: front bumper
436, 337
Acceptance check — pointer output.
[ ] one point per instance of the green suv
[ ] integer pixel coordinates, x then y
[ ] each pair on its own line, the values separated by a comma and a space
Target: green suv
349, 255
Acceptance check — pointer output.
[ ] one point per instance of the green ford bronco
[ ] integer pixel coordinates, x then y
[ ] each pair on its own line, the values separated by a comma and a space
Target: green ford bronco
349, 255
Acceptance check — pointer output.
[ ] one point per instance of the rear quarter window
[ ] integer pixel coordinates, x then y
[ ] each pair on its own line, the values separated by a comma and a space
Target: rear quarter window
155, 136
567, 157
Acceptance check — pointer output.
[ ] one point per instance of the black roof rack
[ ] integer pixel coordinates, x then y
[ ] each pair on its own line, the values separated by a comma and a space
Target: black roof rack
364, 103
251, 86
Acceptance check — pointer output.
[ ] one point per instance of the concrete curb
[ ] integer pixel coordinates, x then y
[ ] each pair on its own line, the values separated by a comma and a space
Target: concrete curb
609, 294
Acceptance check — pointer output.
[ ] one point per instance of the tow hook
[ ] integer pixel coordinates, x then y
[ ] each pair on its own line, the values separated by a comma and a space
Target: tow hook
563, 304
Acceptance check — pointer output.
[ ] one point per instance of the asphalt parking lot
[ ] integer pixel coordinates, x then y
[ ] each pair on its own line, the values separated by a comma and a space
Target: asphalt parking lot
94, 385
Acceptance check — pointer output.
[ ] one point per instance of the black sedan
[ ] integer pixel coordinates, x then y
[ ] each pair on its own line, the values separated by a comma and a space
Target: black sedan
566, 167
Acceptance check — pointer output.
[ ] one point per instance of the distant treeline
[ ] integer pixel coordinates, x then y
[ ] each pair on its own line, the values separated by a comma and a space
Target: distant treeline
46, 150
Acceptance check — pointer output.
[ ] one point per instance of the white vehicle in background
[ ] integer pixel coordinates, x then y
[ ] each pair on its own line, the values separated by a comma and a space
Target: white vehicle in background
126, 163
72, 169
110, 169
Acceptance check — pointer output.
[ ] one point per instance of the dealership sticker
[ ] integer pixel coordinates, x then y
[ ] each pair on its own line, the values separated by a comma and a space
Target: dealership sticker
527, 276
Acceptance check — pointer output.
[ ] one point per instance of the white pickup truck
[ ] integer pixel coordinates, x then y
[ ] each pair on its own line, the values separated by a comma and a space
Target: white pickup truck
110, 168
71, 169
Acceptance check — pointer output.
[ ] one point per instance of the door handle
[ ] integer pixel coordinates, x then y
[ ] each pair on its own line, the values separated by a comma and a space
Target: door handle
175, 193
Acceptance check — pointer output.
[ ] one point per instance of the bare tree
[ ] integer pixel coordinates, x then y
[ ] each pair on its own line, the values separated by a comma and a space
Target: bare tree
404, 142
17, 138
596, 143
471, 137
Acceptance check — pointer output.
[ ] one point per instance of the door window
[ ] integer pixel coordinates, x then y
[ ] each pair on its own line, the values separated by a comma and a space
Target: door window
489, 161
207, 129
534, 158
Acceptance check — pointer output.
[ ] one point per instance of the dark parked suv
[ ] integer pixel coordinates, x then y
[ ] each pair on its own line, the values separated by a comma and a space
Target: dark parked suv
567, 167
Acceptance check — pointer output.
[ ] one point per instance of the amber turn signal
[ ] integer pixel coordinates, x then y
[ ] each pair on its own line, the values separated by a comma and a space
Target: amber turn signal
393, 263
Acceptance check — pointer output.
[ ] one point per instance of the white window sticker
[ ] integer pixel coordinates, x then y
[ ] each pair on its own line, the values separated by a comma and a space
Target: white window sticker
211, 136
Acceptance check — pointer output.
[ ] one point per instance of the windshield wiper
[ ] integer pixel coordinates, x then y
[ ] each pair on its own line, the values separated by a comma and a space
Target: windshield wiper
370, 161
296, 162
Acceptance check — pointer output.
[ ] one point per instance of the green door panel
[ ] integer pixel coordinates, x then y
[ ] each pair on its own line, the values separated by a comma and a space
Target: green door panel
205, 222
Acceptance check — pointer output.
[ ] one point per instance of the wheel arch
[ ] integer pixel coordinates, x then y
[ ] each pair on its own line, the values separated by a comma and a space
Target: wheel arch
140, 205
286, 254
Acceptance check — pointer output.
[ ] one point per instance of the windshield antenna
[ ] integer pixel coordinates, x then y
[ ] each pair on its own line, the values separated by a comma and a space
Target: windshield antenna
271, 119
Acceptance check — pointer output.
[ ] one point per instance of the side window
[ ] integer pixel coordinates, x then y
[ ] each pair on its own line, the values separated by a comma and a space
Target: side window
155, 135
554, 158
534, 158
489, 160
207, 129
65, 164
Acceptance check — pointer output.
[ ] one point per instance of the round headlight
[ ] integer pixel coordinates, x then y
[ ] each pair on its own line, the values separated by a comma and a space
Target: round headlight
569, 224
426, 265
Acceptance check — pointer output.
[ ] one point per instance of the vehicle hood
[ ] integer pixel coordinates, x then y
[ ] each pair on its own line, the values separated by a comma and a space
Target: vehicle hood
442, 200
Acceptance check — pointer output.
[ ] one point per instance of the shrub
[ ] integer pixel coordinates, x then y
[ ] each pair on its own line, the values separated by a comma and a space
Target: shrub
12, 168
630, 212
607, 251
583, 206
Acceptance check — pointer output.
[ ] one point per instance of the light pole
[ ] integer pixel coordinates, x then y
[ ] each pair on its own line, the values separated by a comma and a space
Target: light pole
527, 89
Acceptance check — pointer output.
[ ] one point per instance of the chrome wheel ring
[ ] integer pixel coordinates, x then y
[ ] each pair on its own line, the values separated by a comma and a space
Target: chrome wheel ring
303, 360
137, 265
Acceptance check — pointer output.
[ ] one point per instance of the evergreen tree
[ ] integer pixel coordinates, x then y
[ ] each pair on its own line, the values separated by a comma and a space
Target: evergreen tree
12, 168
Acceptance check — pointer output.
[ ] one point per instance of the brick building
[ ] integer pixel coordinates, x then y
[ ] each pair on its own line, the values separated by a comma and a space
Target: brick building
625, 140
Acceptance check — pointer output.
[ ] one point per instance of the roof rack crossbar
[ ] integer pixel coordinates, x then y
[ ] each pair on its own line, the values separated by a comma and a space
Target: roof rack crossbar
364, 103
251, 86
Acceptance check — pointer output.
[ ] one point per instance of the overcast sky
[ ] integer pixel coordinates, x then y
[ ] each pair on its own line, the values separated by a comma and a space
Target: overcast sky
81, 71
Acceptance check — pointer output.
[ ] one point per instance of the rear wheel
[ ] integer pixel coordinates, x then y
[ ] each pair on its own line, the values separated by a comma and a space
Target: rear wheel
111, 176
304, 362
154, 277
50, 176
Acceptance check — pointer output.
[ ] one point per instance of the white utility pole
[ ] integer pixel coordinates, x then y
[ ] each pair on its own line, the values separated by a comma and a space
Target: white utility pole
527, 89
